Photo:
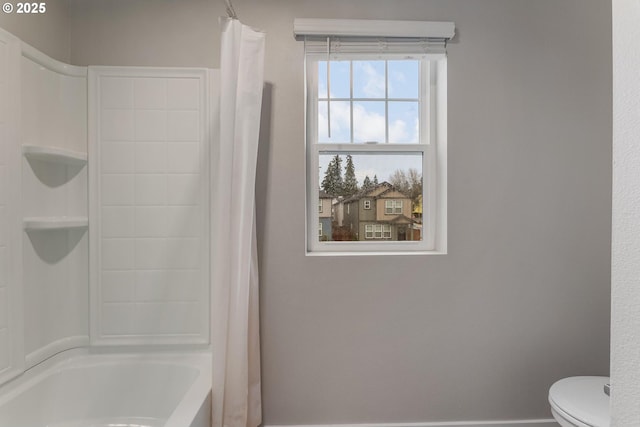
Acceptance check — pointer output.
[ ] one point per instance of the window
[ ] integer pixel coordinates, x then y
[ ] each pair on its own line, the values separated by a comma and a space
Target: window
393, 207
376, 132
368, 234
377, 231
320, 229
320, 206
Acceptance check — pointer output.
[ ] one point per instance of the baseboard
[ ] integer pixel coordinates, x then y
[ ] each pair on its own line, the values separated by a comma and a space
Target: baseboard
512, 423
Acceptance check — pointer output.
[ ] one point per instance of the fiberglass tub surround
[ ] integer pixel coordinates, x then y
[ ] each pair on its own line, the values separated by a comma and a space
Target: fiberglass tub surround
104, 225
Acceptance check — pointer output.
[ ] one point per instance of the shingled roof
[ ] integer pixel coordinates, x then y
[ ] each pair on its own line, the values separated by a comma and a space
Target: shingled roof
368, 193
324, 195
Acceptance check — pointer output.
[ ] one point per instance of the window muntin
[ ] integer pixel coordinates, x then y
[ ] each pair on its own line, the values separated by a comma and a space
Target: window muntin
401, 120
366, 204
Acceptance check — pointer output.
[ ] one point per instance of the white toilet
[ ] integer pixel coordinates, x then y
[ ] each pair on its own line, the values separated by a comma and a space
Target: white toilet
580, 402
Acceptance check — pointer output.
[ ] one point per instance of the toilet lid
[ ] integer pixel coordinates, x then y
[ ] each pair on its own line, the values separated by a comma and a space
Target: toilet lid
582, 398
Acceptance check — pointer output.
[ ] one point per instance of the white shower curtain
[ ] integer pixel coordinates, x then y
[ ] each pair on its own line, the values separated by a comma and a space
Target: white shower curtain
235, 322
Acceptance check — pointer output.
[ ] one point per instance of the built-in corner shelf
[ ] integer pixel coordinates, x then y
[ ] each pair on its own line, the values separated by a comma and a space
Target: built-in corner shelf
54, 223
55, 155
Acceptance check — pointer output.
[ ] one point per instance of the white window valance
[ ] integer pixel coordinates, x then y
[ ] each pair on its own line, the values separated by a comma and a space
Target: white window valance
351, 35
303, 27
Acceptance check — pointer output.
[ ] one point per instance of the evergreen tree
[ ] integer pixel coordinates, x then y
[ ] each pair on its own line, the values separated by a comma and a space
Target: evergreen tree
350, 184
367, 184
375, 180
332, 183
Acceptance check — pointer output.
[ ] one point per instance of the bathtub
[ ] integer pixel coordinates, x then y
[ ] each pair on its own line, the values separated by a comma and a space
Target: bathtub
79, 389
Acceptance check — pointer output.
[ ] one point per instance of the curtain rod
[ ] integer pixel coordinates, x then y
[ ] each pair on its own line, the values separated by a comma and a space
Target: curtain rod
230, 10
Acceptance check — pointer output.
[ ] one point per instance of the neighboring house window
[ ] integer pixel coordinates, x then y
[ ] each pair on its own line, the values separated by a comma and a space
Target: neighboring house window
377, 231
376, 121
393, 207
319, 229
320, 206
368, 231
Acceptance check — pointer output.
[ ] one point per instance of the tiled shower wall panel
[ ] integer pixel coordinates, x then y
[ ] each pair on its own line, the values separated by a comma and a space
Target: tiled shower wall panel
150, 139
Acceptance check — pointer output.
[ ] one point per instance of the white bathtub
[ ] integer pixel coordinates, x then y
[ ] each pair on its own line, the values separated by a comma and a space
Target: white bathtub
109, 390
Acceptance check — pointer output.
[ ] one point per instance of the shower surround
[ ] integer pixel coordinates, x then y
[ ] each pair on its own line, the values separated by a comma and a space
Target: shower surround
104, 225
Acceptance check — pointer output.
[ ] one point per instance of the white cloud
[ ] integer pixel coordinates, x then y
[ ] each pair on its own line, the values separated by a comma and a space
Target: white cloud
369, 126
374, 85
340, 122
398, 131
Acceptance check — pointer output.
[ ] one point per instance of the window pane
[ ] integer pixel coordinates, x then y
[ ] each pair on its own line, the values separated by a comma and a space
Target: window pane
369, 124
404, 123
322, 79
340, 122
390, 182
404, 79
369, 79
340, 79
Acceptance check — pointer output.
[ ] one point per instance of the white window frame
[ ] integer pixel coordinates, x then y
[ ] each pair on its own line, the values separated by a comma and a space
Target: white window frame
392, 207
368, 231
377, 231
386, 231
432, 147
319, 228
366, 204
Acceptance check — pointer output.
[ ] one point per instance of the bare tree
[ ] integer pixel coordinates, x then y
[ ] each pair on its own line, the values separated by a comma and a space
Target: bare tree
408, 182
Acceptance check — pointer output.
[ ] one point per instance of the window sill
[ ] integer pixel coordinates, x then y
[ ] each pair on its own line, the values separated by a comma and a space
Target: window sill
372, 253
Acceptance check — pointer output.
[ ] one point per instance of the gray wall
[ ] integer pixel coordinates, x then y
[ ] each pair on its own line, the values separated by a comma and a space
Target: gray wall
49, 32
522, 298
168, 33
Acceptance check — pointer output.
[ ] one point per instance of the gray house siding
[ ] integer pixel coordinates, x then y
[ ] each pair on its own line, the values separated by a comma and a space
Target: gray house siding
367, 214
326, 229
